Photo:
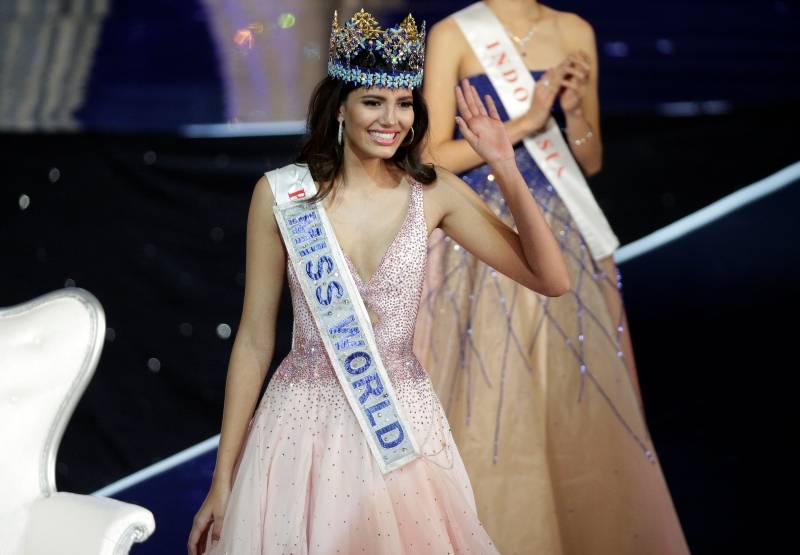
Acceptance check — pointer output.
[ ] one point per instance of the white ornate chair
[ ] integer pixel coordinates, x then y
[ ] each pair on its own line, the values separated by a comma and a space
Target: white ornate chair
49, 349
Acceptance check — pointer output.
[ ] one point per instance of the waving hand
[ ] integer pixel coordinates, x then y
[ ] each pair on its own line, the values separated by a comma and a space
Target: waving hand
482, 129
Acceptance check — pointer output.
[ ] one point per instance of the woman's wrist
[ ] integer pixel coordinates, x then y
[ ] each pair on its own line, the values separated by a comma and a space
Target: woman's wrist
575, 114
533, 123
504, 170
221, 478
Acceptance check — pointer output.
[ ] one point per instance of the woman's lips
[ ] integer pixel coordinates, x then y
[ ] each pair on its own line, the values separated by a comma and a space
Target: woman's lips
384, 137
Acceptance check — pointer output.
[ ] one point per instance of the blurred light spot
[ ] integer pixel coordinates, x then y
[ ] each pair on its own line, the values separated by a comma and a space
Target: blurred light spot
243, 38
679, 108
691, 108
240, 279
69, 282
616, 49
311, 51
714, 107
217, 234
490, 177
149, 157
286, 20
186, 329
24, 201
41, 254
665, 46
54, 175
223, 331
150, 250
154, 364
111, 335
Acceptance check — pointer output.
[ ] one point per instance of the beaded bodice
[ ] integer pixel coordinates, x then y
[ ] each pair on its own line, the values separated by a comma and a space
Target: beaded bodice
391, 294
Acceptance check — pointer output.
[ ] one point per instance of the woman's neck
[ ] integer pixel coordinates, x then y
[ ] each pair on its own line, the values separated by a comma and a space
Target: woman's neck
366, 171
516, 10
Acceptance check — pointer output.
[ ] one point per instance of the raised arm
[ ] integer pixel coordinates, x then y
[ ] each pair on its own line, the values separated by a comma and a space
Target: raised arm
251, 354
446, 47
531, 256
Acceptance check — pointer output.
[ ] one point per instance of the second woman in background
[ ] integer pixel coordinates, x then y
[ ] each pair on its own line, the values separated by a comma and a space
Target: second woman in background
541, 393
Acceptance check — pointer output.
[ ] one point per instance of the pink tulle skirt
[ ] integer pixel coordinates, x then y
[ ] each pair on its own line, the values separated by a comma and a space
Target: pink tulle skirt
306, 481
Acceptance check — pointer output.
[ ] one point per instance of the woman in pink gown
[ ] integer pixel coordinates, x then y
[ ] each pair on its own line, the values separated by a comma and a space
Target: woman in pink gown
295, 473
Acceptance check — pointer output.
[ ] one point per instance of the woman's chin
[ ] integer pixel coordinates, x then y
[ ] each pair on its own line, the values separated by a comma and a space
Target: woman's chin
373, 150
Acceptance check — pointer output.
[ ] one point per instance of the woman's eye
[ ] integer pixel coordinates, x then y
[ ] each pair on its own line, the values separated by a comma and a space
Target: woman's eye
407, 104
371, 102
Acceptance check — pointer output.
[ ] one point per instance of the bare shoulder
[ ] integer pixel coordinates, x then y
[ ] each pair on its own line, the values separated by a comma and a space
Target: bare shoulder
575, 29
445, 29
446, 190
263, 192
447, 34
262, 201
444, 183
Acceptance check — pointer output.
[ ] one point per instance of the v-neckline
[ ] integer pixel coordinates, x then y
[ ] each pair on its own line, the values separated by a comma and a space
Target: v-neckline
356, 273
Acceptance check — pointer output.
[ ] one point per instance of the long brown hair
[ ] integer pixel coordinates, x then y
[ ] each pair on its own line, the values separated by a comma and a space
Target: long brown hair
325, 156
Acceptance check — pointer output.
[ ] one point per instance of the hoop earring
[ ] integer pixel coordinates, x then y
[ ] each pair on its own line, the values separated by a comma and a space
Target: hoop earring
339, 139
404, 143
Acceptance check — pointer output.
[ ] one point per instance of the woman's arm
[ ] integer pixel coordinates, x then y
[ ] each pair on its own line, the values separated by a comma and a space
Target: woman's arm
255, 339
250, 357
445, 49
580, 98
530, 256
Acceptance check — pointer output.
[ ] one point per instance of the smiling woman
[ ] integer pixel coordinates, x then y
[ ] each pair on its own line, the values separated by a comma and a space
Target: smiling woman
349, 450
385, 116
364, 116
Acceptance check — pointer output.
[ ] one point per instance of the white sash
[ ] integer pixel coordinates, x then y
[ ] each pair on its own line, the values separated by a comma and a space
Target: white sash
341, 317
514, 85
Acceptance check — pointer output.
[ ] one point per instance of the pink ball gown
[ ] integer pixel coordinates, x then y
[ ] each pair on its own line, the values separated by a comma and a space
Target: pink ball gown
306, 481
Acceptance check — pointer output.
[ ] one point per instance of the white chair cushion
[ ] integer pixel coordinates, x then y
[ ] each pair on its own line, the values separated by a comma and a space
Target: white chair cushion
70, 524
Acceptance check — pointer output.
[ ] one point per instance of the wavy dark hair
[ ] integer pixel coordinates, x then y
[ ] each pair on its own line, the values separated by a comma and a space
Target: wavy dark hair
325, 156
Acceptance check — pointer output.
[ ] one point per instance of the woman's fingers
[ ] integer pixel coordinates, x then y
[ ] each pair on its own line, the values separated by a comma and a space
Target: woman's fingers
466, 132
579, 59
461, 103
468, 96
198, 526
576, 60
476, 99
579, 74
216, 528
572, 85
492, 108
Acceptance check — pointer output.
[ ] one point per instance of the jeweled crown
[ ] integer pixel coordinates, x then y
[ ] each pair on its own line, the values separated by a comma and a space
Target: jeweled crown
401, 47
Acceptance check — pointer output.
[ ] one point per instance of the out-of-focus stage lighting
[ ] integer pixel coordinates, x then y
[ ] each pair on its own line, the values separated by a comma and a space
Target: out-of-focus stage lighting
286, 20
245, 36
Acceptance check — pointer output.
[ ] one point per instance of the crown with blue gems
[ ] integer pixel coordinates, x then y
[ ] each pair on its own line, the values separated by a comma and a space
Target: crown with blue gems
402, 47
